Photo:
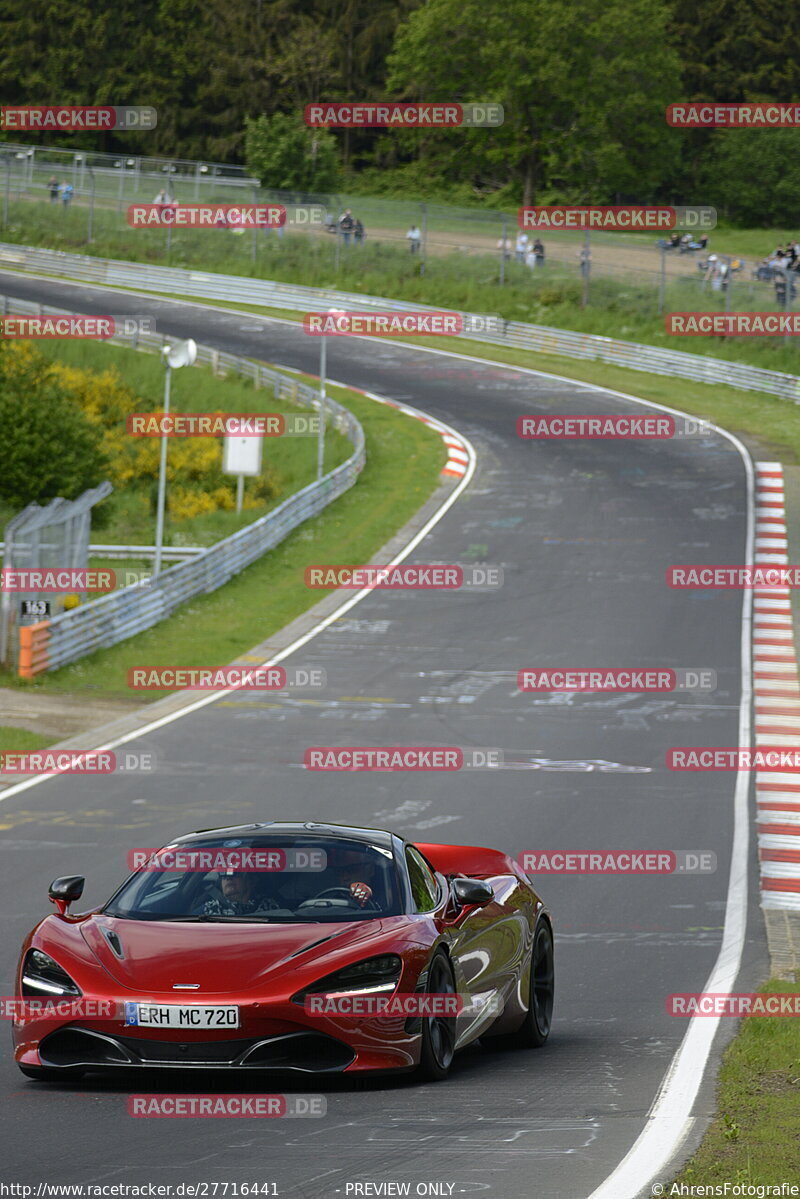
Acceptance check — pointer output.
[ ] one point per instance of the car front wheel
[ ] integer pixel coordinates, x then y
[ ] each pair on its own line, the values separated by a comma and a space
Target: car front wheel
536, 1027
438, 1032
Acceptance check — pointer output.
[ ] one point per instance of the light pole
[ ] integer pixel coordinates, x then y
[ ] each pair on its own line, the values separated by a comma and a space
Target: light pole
182, 353
323, 366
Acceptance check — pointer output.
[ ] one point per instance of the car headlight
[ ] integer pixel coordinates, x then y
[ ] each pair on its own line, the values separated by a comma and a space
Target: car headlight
42, 976
373, 976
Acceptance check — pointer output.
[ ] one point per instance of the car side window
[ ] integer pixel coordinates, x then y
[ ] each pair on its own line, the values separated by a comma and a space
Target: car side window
424, 888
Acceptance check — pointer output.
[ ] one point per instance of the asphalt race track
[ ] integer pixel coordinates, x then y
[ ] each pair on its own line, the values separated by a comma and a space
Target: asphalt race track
584, 531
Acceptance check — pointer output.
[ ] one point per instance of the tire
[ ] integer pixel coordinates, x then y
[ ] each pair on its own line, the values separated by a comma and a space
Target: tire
42, 1074
438, 1032
535, 1028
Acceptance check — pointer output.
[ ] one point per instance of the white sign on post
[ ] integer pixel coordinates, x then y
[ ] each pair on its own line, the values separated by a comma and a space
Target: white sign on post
241, 456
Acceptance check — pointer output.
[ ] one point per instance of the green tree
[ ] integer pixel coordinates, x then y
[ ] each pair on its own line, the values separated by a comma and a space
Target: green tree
50, 448
738, 49
753, 175
583, 83
283, 152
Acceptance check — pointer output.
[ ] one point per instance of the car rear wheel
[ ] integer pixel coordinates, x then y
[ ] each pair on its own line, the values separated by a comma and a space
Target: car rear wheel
438, 1032
536, 1027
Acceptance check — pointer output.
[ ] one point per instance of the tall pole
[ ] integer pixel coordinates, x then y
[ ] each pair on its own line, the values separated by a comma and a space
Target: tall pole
254, 246
662, 280
90, 224
585, 266
787, 301
503, 250
321, 433
162, 479
424, 208
728, 282
7, 165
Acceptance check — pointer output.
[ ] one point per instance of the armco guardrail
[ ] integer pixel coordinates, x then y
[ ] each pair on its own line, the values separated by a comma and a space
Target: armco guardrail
266, 294
112, 618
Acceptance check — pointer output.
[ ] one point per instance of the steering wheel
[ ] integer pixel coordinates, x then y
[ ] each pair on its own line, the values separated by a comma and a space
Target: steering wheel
341, 893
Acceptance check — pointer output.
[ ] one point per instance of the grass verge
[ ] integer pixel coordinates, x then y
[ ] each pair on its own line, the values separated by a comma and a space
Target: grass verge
21, 741
755, 1137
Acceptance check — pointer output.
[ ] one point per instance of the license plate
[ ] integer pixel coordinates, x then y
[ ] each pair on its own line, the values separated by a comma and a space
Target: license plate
171, 1015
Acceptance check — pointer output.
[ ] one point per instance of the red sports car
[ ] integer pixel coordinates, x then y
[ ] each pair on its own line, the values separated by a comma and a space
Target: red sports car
273, 947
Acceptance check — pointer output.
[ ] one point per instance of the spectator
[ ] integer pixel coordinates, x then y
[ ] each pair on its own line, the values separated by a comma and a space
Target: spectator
538, 249
674, 240
718, 271
67, 191
504, 245
530, 258
780, 266
358, 233
162, 197
521, 247
346, 225
414, 237
52, 186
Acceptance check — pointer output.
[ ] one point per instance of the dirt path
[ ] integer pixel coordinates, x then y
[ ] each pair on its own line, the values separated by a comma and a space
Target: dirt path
608, 256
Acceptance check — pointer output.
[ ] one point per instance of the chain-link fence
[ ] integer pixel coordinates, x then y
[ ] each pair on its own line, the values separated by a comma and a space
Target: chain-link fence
463, 249
53, 536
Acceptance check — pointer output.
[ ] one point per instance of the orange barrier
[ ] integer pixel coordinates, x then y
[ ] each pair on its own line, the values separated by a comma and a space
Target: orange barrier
33, 642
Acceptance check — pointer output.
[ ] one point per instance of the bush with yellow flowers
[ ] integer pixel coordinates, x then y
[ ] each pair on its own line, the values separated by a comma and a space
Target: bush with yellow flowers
197, 484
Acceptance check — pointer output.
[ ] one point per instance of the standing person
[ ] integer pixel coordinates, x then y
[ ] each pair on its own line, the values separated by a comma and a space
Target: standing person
358, 233
530, 258
521, 248
717, 272
66, 194
780, 266
504, 244
346, 225
52, 187
414, 237
538, 249
162, 197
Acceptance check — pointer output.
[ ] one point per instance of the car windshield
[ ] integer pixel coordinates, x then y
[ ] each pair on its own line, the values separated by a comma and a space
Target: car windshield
262, 879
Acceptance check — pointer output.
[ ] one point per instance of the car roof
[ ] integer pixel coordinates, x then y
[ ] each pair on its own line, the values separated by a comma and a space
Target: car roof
307, 828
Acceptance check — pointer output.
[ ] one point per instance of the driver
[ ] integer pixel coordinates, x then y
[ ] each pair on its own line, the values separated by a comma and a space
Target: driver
237, 897
355, 871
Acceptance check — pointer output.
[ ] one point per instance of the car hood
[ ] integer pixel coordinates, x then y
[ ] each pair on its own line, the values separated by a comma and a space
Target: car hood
225, 957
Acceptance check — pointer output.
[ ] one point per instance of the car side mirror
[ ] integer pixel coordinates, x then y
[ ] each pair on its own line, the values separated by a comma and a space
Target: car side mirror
472, 892
64, 891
